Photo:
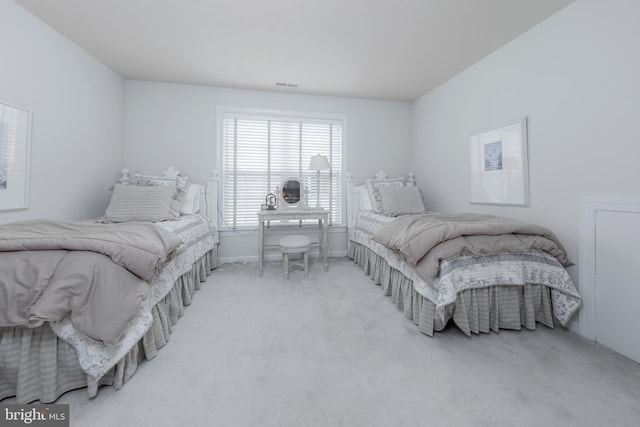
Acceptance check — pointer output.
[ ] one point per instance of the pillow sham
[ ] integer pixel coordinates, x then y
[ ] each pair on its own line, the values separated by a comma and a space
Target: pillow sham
365, 199
180, 182
147, 203
400, 200
191, 200
373, 184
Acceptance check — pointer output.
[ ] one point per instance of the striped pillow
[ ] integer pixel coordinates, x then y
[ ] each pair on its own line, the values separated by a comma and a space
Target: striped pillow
143, 203
400, 200
373, 184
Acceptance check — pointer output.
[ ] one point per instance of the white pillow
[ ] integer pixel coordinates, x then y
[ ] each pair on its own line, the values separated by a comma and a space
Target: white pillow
400, 200
365, 199
373, 184
143, 203
191, 201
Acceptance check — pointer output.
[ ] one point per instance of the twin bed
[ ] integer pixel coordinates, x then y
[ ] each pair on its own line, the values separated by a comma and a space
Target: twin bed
482, 272
83, 303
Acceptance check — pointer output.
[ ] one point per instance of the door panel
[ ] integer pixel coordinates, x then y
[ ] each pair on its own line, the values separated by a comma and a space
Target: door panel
618, 282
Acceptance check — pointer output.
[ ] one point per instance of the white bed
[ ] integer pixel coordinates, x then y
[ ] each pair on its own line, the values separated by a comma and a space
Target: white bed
43, 362
469, 290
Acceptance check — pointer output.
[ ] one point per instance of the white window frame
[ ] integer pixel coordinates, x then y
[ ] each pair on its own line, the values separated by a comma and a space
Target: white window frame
278, 114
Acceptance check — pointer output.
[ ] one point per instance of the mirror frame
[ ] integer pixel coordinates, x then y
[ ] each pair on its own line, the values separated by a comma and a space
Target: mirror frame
283, 203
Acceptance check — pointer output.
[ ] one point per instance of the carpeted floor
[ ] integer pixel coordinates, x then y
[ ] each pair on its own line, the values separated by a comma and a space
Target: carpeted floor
331, 350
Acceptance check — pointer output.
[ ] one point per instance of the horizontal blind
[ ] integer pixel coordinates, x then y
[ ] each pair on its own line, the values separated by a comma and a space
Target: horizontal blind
259, 152
8, 137
325, 140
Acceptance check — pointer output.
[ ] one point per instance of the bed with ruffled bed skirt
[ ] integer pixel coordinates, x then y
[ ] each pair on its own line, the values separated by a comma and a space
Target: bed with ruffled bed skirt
474, 311
43, 362
472, 291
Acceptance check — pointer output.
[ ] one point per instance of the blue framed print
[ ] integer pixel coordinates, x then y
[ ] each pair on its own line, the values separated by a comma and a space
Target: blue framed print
498, 166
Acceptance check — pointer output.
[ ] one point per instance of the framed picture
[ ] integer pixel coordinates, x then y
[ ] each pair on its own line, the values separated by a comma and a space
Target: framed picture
498, 167
15, 150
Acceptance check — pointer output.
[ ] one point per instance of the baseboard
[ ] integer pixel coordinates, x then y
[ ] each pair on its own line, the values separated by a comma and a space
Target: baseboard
274, 257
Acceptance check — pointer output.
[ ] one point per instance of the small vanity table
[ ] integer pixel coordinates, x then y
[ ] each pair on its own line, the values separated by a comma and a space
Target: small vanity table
292, 214
292, 207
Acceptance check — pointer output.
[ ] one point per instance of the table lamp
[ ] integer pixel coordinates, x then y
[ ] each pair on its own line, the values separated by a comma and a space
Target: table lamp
318, 163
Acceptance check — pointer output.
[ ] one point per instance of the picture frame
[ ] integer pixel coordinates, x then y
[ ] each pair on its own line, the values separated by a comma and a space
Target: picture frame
498, 165
15, 156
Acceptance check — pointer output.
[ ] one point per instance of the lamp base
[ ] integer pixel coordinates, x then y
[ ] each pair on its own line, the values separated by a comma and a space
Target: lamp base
318, 190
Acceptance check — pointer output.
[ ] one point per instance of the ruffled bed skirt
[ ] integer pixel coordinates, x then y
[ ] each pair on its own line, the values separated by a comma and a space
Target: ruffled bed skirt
36, 365
475, 310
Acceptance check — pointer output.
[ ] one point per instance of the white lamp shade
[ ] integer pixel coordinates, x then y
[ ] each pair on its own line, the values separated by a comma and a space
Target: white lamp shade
319, 163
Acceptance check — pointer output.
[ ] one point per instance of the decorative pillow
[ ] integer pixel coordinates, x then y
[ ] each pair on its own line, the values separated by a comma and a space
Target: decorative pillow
365, 199
180, 182
143, 203
191, 200
400, 200
373, 184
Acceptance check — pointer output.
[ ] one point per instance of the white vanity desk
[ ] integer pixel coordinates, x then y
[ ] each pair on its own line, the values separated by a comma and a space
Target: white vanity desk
293, 214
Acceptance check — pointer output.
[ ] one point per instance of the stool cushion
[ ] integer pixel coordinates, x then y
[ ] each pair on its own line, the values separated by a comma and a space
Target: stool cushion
295, 241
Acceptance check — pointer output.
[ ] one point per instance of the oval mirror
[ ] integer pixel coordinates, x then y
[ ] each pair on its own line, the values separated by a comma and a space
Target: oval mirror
291, 191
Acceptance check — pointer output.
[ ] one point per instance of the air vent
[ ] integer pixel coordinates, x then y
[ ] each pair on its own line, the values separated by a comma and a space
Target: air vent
285, 84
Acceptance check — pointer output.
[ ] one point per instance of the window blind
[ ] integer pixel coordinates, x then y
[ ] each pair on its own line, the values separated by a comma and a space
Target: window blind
259, 152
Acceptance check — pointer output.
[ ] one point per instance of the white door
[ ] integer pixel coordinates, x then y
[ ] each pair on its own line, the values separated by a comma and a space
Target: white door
618, 282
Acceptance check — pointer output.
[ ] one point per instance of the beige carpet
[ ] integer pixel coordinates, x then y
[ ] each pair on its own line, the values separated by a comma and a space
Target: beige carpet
331, 350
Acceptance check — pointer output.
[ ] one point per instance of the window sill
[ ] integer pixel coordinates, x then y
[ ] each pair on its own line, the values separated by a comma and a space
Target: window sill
280, 229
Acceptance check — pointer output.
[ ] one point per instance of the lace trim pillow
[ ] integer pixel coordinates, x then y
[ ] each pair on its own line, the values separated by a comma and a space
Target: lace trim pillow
400, 200
147, 203
373, 184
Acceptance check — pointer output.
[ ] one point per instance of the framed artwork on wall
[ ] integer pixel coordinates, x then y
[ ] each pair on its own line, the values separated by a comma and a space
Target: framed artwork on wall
498, 166
15, 151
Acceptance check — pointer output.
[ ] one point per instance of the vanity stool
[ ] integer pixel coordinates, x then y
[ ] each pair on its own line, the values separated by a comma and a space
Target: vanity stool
295, 244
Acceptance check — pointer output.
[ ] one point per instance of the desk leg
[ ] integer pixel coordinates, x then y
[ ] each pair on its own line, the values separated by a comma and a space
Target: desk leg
260, 246
325, 243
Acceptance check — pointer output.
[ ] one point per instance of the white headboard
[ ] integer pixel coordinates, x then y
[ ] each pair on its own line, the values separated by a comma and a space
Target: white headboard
353, 194
208, 192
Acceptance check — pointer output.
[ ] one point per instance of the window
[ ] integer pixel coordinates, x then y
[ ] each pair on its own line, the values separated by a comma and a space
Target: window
259, 151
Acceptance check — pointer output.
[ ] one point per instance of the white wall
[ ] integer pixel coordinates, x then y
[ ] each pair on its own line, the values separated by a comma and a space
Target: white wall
177, 125
77, 105
575, 76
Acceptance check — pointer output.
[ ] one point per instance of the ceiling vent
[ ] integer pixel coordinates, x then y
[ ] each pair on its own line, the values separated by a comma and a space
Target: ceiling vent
285, 84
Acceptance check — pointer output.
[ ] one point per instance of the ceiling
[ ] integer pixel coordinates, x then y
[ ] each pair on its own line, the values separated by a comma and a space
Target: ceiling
376, 49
